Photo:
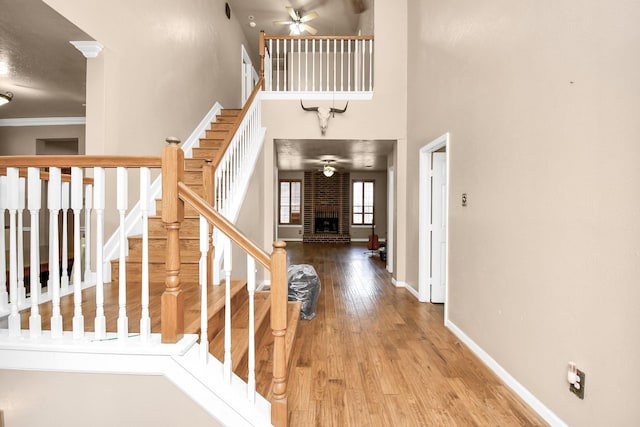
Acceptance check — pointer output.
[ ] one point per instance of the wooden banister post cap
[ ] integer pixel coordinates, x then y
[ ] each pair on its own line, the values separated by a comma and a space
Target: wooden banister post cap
279, 244
172, 140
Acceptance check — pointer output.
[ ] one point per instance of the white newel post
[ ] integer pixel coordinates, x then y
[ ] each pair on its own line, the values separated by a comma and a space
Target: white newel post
13, 195
53, 202
145, 320
22, 292
88, 204
76, 205
98, 203
34, 204
122, 202
64, 279
251, 288
204, 317
227, 310
4, 296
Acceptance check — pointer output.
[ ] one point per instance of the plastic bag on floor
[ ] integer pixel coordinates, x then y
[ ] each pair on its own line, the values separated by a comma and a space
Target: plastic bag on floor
304, 286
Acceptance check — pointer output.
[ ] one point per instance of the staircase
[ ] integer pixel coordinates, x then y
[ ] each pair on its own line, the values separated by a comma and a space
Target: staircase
211, 148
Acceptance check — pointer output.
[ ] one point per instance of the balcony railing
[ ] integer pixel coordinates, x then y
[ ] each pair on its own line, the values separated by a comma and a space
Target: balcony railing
317, 67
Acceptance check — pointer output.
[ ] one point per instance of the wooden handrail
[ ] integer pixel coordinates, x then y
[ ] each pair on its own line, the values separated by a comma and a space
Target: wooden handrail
223, 224
318, 37
241, 116
65, 177
80, 161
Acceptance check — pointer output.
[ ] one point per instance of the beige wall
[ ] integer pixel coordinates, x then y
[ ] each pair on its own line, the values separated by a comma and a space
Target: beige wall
21, 140
33, 398
541, 99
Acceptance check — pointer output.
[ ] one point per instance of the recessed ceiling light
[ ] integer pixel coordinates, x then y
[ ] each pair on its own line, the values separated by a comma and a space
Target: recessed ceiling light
252, 24
250, 17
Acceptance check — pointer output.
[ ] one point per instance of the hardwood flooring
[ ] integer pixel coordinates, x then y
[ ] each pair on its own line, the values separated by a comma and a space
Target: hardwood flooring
375, 356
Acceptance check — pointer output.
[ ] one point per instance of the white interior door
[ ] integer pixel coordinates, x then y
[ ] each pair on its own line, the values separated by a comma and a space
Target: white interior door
439, 227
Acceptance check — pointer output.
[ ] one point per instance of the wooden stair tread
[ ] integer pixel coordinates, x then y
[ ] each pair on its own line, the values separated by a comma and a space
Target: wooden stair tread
240, 329
215, 303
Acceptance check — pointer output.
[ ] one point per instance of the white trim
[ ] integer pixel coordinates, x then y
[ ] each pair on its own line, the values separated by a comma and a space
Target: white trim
509, 380
90, 48
424, 219
44, 121
313, 96
290, 225
405, 285
390, 216
365, 239
291, 239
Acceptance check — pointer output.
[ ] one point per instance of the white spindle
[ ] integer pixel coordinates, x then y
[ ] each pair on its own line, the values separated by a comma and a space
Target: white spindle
13, 194
364, 46
370, 65
145, 319
76, 206
4, 296
22, 293
320, 65
64, 203
227, 311
204, 318
349, 65
251, 356
313, 65
53, 202
292, 47
299, 65
98, 204
306, 65
34, 204
278, 65
341, 65
285, 61
335, 62
355, 65
328, 53
88, 204
121, 204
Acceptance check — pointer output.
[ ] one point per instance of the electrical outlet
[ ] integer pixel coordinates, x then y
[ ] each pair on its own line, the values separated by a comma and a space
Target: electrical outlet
578, 388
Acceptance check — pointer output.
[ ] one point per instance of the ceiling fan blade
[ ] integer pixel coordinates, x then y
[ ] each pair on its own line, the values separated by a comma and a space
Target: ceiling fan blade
309, 29
281, 22
293, 13
309, 16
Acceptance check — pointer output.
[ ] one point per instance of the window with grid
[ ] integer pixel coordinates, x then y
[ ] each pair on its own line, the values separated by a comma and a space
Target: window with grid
290, 202
363, 202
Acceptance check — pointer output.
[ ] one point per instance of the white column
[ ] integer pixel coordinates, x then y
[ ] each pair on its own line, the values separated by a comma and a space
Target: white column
64, 279
34, 204
121, 204
76, 205
145, 320
204, 317
13, 195
88, 204
98, 204
53, 203
22, 293
227, 310
4, 296
251, 356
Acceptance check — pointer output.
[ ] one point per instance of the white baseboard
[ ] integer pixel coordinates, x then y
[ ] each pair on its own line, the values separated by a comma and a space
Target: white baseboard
510, 381
405, 285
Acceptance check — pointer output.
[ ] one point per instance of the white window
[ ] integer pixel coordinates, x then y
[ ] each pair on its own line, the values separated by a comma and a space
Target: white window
290, 202
363, 202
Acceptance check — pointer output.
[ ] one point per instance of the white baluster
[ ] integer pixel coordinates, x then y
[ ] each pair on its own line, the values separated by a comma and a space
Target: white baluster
76, 205
34, 204
335, 62
204, 317
278, 65
313, 65
370, 65
98, 205
227, 310
320, 65
4, 296
22, 293
219, 248
251, 288
122, 185
145, 320
355, 66
364, 48
53, 202
64, 203
299, 64
341, 65
328, 52
88, 204
13, 194
349, 65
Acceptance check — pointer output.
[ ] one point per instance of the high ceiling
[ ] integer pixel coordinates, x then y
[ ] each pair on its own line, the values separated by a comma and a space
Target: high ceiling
47, 75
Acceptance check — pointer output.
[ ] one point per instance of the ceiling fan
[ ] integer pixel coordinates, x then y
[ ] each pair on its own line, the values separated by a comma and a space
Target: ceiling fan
328, 170
297, 24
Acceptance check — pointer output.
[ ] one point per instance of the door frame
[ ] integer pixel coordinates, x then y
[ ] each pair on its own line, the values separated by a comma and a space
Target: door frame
390, 217
424, 217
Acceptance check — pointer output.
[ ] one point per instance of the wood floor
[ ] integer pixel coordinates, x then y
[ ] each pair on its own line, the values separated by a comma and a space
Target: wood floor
375, 356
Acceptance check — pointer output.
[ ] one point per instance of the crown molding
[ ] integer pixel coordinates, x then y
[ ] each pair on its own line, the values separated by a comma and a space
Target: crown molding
44, 121
90, 49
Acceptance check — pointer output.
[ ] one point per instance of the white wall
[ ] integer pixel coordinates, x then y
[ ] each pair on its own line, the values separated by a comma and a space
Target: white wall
541, 99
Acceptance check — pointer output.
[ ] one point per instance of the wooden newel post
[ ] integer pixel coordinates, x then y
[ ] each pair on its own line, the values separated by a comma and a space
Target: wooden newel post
279, 411
172, 303
262, 58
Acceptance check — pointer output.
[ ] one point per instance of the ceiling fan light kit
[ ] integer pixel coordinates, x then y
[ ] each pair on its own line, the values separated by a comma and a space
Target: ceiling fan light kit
328, 170
298, 23
5, 97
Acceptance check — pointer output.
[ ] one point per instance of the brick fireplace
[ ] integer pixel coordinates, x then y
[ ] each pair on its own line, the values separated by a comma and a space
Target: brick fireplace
326, 208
